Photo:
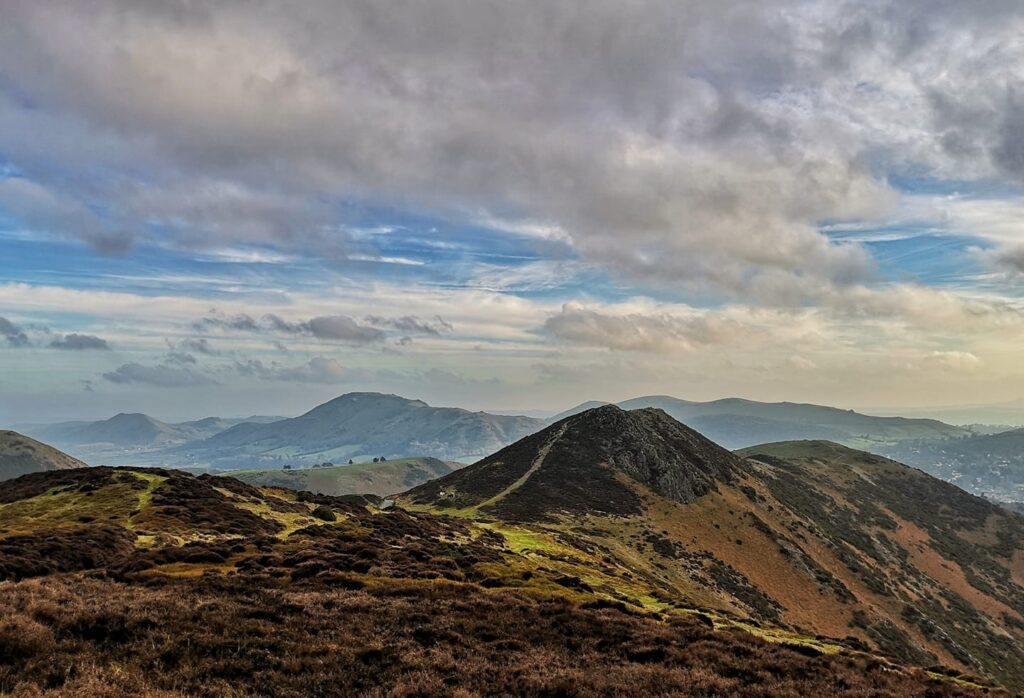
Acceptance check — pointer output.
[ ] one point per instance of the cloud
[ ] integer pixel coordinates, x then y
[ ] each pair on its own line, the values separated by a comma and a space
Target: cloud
329, 327
1008, 259
161, 376
198, 345
49, 211
955, 360
689, 144
319, 370
80, 342
412, 324
240, 322
343, 328
640, 332
14, 335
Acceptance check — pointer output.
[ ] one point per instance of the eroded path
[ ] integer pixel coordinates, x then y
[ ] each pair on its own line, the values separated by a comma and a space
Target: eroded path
542, 453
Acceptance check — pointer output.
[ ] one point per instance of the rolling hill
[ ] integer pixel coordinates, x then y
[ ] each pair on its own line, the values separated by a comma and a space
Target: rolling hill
737, 423
131, 438
360, 426
379, 479
147, 581
810, 535
122, 430
20, 455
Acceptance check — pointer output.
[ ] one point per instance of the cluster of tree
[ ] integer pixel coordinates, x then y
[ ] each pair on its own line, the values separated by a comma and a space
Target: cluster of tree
325, 464
382, 459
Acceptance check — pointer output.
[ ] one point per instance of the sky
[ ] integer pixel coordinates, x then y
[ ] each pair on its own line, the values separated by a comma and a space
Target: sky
249, 207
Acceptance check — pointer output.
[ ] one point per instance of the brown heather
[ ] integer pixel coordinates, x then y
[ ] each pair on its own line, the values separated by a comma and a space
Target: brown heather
85, 636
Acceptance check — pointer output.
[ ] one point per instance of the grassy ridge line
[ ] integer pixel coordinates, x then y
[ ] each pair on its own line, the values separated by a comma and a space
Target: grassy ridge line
379, 479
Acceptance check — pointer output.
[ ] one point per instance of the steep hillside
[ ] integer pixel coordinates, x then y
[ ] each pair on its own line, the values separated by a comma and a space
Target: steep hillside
213, 587
361, 426
811, 535
577, 466
20, 455
380, 479
737, 423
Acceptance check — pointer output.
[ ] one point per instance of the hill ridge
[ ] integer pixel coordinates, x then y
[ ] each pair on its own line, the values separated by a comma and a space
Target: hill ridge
739, 422
576, 465
22, 455
365, 425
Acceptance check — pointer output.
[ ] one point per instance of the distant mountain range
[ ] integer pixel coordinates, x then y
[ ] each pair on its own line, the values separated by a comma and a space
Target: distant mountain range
737, 423
138, 430
20, 455
361, 426
130, 438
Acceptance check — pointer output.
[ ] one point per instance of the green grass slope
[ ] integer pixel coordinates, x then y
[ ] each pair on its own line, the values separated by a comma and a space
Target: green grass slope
380, 479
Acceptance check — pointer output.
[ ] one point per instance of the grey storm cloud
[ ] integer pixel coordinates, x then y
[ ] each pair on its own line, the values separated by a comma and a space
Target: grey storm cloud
80, 342
683, 142
14, 335
160, 375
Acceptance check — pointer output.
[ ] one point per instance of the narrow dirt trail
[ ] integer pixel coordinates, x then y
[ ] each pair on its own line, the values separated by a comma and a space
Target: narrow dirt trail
534, 467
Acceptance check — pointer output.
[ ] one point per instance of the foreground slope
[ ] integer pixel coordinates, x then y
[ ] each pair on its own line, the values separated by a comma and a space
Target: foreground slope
361, 478
361, 426
20, 455
737, 423
210, 586
816, 537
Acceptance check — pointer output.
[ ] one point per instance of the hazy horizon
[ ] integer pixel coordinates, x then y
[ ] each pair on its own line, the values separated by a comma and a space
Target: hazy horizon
1008, 413
236, 208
